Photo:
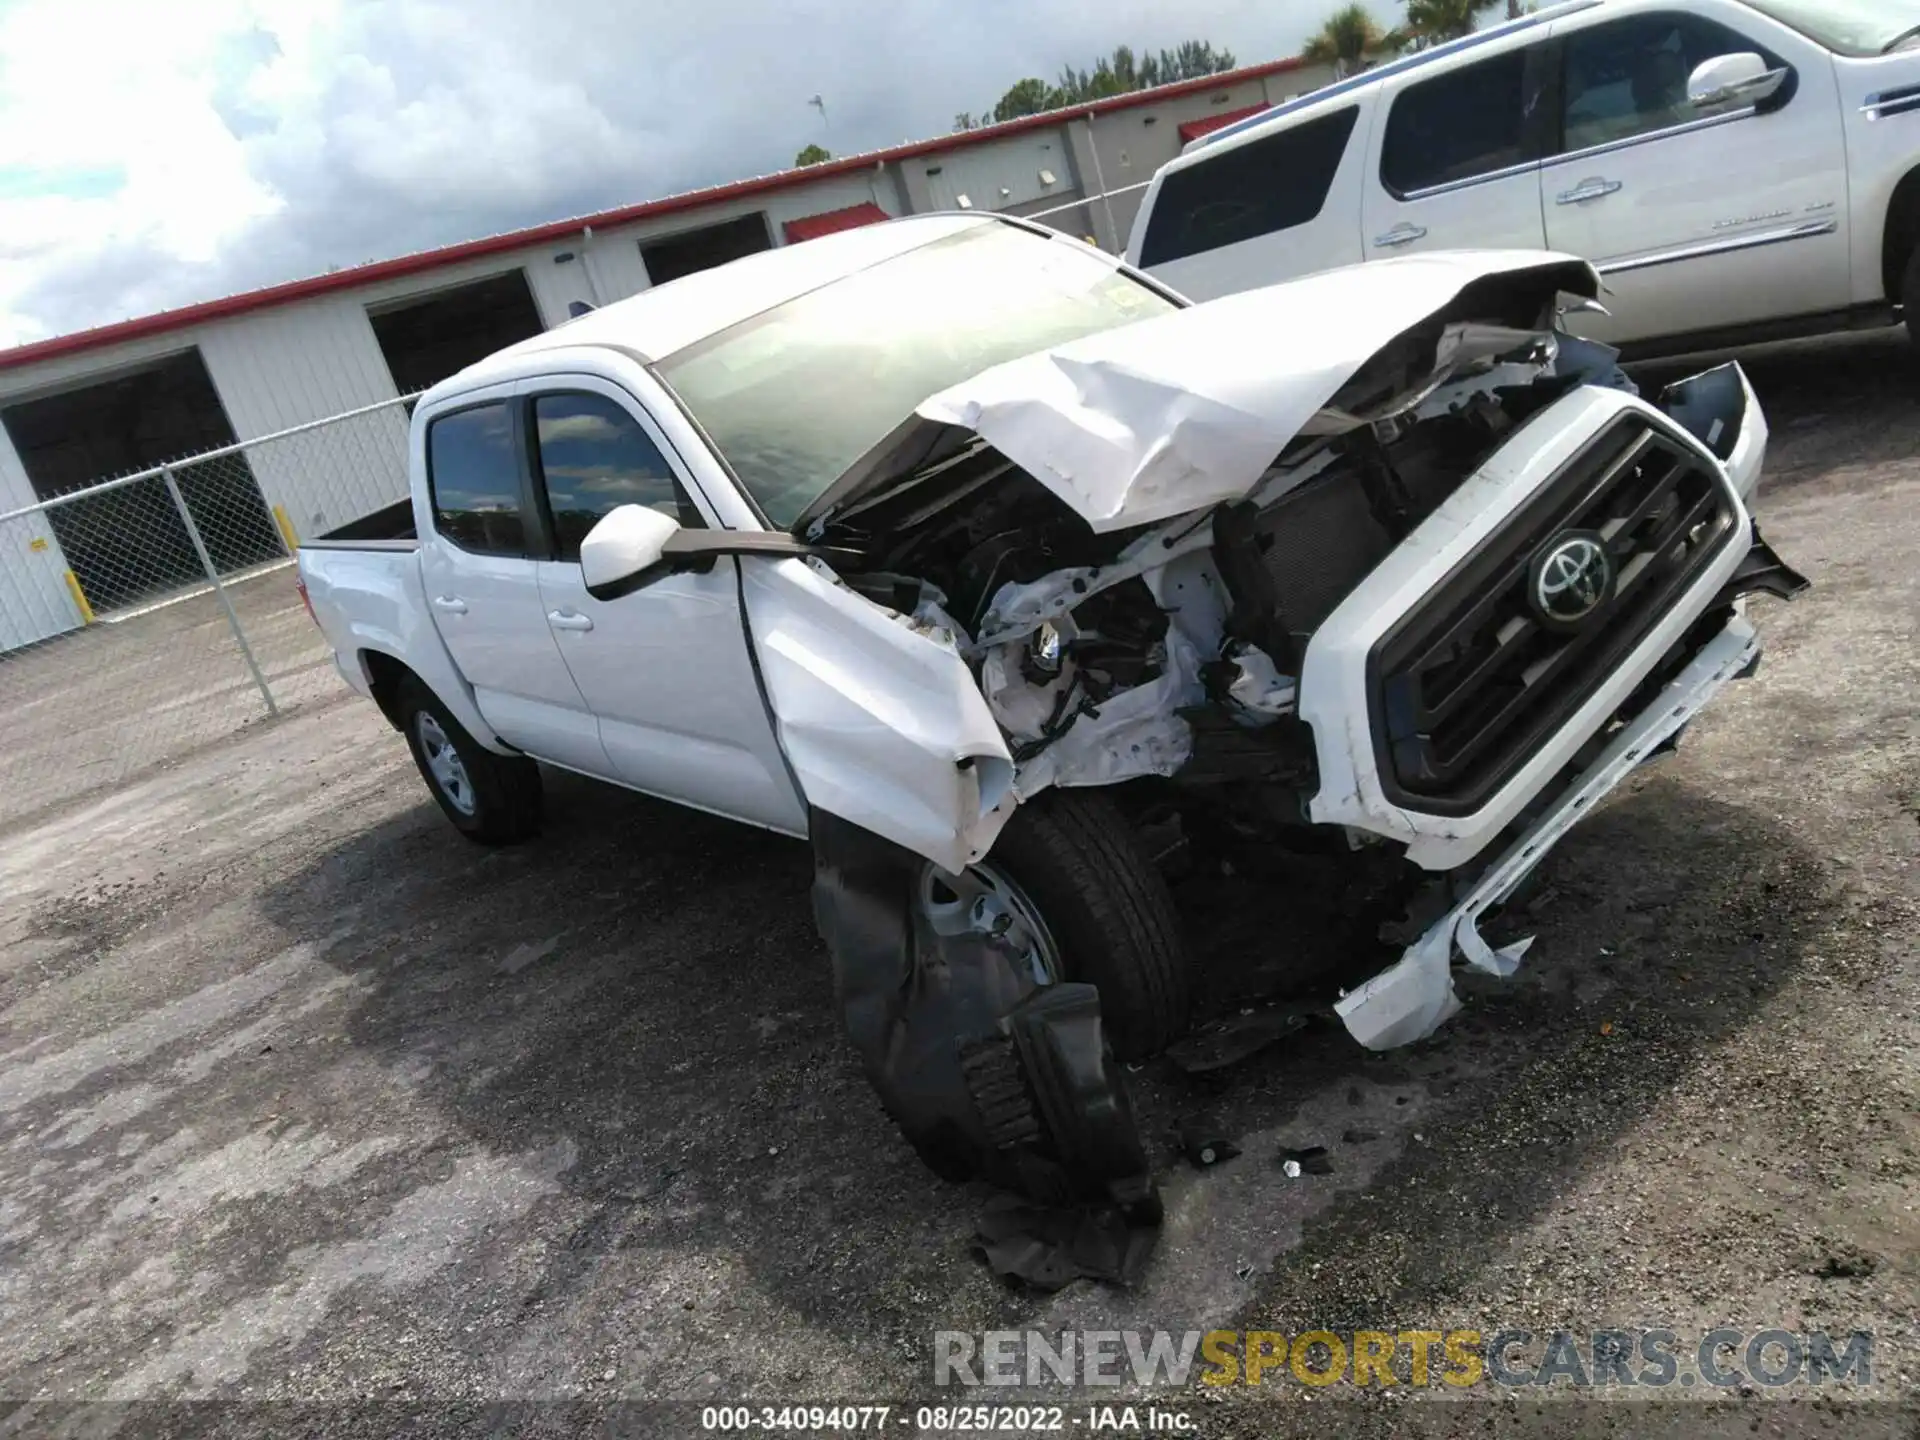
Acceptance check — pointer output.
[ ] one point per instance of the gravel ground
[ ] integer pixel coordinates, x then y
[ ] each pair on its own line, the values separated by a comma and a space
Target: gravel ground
89, 710
303, 1099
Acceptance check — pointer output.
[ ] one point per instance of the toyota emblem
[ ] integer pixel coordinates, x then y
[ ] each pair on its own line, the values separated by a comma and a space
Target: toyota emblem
1570, 579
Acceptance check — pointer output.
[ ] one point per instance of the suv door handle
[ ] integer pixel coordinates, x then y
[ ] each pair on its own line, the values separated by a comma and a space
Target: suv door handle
452, 604
569, 620
1402, 234
1594, 189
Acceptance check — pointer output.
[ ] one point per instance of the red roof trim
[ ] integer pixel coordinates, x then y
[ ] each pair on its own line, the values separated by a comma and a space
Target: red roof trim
1206, 125
351, 278
831, 222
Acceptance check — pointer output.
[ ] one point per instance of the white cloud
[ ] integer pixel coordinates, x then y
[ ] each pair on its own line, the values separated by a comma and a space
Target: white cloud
156, 154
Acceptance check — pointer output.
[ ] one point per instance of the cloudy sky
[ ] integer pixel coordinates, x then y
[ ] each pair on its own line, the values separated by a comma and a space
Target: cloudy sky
157, 152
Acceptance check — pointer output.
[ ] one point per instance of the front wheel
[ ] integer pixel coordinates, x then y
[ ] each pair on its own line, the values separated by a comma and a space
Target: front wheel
492, 799
1087, 904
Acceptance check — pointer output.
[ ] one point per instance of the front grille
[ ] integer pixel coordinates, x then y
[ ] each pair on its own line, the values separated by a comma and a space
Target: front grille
1473, 681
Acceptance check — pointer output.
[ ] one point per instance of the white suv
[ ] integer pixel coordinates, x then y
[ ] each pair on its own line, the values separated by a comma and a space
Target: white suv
1736, 169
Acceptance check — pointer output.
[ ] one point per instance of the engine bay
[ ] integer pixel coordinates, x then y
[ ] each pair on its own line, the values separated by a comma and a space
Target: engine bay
1174, 650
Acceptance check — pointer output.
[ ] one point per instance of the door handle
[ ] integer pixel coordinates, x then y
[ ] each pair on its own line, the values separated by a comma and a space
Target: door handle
1401, 234
1594, 189
569, 620
452, 604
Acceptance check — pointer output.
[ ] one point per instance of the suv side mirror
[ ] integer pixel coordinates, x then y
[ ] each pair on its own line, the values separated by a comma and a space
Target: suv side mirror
624, 550
1741, 78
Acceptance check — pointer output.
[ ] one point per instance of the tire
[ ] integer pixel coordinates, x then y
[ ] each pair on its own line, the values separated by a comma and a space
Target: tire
1910, 295
1108, 910
491, 799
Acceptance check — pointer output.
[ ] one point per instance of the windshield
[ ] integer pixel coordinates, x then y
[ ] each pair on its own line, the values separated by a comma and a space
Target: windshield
794, 396
1851, 27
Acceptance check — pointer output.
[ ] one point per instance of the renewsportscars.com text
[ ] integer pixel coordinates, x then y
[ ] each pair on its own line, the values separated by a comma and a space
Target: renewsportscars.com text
1651, 1358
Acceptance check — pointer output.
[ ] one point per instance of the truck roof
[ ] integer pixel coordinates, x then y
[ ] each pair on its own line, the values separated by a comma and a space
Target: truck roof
657, 322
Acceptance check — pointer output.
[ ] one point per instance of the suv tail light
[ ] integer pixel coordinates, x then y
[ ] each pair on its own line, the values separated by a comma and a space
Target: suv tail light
300, 584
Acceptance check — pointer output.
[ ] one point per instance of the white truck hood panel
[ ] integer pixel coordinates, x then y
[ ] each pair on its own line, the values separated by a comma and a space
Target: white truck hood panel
1186, 410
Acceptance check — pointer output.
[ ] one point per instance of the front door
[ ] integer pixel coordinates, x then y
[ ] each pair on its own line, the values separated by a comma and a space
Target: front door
1455, 159
484, 593
666, 669
1698, 218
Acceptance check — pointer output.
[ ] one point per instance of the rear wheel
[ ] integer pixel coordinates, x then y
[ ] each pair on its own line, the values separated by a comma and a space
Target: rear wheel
492, 799
1071, 887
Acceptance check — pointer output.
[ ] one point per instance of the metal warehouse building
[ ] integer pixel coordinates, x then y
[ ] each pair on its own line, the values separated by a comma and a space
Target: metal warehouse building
82, 408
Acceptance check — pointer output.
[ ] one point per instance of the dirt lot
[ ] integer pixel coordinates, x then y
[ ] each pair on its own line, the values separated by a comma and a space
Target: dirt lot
304, 1099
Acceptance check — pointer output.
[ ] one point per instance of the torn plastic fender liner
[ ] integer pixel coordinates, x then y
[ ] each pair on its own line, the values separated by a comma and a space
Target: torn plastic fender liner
882, 724
987, 1073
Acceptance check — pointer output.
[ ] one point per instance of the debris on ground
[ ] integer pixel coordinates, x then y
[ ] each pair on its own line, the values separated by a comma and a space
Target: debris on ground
1230, 1040
1312, 1160
1048, 1247
1204, 1146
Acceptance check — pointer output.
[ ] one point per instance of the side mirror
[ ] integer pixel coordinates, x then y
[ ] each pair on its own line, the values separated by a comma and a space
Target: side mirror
1742, 78
625, 550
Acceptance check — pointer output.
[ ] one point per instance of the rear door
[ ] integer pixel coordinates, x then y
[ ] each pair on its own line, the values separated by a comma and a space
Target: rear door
1455, 158
666, 669
482, 586
1699, 219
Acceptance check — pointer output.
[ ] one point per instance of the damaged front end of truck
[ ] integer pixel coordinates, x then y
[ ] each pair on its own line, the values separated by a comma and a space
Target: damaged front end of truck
1382, 563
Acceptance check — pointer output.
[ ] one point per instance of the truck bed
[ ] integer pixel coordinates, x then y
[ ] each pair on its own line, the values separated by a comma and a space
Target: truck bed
388, 528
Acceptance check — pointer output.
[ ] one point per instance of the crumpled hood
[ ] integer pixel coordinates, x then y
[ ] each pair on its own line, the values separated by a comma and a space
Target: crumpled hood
1189, 409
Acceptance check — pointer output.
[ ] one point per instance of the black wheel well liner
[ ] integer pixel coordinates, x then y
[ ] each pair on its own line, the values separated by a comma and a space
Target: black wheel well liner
386, 674
1902, 234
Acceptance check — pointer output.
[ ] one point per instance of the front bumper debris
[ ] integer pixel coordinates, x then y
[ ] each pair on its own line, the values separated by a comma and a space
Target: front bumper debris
1413, 997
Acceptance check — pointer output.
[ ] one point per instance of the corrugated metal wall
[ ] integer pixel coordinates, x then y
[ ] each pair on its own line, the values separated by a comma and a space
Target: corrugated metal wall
34, 600
281, 368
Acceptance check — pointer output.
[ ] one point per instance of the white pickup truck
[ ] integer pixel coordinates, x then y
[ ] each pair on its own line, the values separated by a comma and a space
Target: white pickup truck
1736, 169
975, 556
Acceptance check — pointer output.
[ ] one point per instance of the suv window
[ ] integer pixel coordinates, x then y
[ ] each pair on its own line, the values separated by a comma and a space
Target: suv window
594, 456
473, 478
1458, 126
1629, 77
1257, 187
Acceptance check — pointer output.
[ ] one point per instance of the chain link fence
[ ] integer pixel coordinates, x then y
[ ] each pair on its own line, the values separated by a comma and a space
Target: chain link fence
149, 616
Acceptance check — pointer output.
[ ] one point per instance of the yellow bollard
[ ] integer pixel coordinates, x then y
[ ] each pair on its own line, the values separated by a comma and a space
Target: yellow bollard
286, 528
79, 597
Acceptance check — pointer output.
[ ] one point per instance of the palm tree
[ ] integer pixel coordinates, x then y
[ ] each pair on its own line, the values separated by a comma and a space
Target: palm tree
1348, 34
1431, 21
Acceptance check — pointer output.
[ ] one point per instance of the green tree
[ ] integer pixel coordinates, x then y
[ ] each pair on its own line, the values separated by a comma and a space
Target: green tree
1430, 22
812, 155
1119, 73
1026, 97
1345, 38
